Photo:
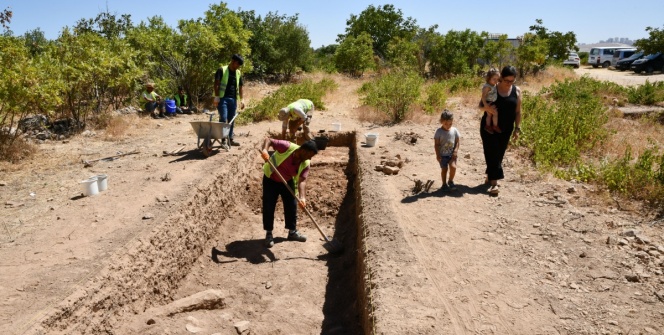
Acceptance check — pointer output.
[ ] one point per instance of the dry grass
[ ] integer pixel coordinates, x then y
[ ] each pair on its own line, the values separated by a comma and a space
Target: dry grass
638, 134
546, 78
17, 151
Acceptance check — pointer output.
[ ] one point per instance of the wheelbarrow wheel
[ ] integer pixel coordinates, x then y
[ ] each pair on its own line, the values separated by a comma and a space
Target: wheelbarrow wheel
206, 147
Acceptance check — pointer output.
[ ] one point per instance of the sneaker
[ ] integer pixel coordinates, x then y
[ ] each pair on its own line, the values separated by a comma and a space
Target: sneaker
488, 129
445, 187
496, 129
269, 240
451, 185
233, 143
493, 190
296, 236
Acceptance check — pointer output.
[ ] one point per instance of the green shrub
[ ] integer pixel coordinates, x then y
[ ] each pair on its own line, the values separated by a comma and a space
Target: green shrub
646, 94
268, 108
464, 83
642, 178
559, 128
435, 98
393, 93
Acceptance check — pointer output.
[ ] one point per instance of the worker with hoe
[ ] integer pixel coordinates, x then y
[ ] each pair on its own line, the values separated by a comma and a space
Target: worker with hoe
293, 116
292, 163
228, 91
152, 101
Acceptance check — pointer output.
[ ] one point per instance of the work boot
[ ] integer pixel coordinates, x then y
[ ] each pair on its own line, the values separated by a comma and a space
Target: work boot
233, 143
269, 240
296, 236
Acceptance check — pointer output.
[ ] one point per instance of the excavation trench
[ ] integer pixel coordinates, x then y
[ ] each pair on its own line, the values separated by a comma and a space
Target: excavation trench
214, 241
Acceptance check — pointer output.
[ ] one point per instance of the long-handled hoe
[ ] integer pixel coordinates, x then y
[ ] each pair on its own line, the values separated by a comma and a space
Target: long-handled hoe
331, 245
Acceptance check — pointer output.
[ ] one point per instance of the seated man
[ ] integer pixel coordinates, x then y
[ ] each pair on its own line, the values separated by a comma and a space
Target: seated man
182, 103
152, 101
297, 114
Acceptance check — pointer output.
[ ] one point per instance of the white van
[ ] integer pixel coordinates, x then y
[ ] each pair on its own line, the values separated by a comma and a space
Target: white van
621, 54
602, 56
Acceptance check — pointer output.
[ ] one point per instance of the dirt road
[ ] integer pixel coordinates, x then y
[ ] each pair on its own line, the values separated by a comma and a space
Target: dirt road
544, 257
625, 78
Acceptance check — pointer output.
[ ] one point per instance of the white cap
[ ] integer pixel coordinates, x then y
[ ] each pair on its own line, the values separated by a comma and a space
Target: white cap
283, 114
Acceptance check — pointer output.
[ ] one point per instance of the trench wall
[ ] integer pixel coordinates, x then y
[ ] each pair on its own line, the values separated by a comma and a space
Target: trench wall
148, 270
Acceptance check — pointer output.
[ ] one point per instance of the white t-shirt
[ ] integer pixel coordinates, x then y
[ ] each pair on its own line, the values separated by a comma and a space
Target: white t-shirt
447, 140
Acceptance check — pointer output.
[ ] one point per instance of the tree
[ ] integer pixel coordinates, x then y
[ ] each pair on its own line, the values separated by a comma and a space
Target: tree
35, 41
653, 44
324, 58
293, 45
105, 24
455, 53
558, 44
498, 53
354, 55
382, 24
6, 18
531, 54
404, 54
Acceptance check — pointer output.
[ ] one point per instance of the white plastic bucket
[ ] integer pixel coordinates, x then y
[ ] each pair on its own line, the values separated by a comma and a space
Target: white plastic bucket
102, 182
371, 139
90, 186
336, 126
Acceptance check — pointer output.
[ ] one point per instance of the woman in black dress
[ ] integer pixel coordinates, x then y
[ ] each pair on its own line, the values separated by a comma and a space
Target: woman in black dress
508, 106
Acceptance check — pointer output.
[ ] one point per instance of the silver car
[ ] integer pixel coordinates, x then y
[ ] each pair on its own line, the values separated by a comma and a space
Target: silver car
573, 60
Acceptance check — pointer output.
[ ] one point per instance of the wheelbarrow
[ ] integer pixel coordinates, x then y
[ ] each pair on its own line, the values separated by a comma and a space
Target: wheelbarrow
210, 133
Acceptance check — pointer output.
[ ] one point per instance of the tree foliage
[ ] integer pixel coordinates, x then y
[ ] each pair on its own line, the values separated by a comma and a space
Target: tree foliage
498, 53
279, 44
6, 18
393, 93
105, 24
354, 55
455, 53
531, 54
382, 24
558, 44
654, 43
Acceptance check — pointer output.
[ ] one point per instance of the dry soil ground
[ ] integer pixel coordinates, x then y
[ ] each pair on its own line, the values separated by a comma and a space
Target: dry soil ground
544, 257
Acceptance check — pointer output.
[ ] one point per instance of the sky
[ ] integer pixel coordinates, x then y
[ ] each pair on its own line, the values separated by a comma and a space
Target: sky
591, 21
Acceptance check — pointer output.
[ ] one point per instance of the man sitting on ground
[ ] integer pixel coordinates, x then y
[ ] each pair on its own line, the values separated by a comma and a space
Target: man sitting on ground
182, 103
152, 101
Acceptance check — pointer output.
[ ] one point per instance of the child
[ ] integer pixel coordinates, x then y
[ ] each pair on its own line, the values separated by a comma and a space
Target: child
446, 145
489, 96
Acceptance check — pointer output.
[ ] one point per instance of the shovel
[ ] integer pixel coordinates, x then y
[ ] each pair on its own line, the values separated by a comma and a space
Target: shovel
332, 246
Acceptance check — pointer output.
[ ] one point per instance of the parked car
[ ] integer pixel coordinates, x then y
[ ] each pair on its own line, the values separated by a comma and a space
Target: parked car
621, 54
649, 64
626, 63
602, 56
573, 60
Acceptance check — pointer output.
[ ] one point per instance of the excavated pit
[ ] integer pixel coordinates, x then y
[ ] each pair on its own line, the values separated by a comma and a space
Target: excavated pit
214, 241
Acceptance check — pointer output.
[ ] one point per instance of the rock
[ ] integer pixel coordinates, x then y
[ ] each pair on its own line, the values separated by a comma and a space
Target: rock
241, 327
3, 183
268, 285
209, 300
623, 242
389, 170
642, 239
571, 189
14, 204
378, 168
151, 321
148, 216
467, 156
630, 232
392, 163
193, 329
162, 198
633, 278
41, 136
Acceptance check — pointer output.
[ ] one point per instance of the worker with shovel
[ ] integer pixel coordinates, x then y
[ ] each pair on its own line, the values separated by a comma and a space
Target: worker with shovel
291, 162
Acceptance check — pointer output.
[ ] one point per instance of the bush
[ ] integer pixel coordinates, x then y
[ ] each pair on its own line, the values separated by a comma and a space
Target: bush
268, 108
642, 178
560, 128
646, 94
435, 98
393, 93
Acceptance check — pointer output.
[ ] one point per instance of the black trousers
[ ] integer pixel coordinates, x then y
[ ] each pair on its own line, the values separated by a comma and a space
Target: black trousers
271, 192
494, 146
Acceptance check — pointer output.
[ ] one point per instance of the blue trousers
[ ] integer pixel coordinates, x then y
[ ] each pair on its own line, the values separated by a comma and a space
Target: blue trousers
226, 109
